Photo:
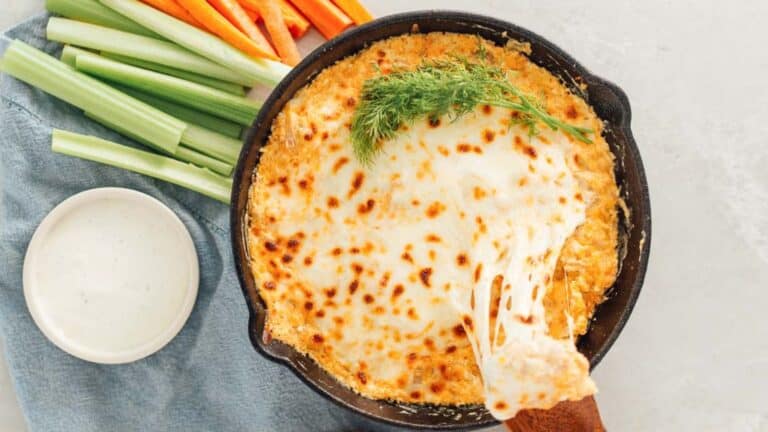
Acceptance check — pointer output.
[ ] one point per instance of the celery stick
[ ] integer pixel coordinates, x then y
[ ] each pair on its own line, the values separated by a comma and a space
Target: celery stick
183, 153
212, 144
69, 53
228, 87
195, 157
260, 70
150, 164
145, 48
203, 98
188, 115
52, 76
94, 12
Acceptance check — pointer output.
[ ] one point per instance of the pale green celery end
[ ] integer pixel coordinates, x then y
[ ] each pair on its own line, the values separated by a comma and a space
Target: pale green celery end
54, 77
225, 86
183, 153
263, 71
161, 167
189, 115
69, 53
195, 157
211, 143
145, 48
203, 98
94, 12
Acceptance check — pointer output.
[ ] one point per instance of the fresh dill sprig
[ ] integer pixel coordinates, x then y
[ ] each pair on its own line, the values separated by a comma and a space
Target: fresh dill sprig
437, 88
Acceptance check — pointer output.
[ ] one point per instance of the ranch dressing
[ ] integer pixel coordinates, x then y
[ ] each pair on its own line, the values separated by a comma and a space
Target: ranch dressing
111, 275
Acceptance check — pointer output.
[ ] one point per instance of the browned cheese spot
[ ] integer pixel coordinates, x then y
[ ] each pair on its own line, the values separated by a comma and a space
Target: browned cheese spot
353, 286
487, 109
463, 148
270, 246
308, 305
317, 338
398, 291
433, 238
435, 209
368, 298
407, 257
571, 112
308, 260
436, 387
320, 313
416, 394
461, 259
330, 292
443, 150
488, 136
351, 102
412, 314
357, 182
450, 349
286, 258
336, 251
424, 275
479, 193
458, 331
361, 376
468, 321
269, 285
500, 405
366, 207
340, 162
433, 122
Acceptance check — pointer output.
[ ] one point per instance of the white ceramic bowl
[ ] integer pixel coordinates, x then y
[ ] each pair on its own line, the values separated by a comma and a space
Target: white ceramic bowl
111, 275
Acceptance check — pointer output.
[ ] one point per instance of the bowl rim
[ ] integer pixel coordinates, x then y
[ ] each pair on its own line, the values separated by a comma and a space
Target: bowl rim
257, 312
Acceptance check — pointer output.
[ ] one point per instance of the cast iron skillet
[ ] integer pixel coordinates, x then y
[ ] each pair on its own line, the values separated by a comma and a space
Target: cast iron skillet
609, 102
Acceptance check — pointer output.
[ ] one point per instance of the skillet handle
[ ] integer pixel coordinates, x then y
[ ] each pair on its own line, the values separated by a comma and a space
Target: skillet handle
581, 416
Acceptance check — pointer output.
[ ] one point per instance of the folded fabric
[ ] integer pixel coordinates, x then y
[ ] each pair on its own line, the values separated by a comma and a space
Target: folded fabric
209, 378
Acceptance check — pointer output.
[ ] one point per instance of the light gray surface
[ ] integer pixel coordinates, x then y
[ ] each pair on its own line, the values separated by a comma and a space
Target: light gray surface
694, 356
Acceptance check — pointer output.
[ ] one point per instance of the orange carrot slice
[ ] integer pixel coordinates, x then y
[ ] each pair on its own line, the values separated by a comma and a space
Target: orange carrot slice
328, 19
355, 10
173, 9
232, 11
218, 25
297, 24
278, 31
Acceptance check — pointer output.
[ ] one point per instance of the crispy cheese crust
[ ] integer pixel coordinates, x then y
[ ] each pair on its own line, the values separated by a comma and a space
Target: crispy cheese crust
363, 327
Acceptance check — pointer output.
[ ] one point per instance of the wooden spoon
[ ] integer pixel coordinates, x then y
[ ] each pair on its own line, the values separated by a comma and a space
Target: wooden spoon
581, 416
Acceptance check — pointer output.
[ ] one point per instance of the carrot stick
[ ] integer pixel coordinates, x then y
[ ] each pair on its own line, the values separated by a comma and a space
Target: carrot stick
236, 15
278, 31
173, 9
328, 19
355, 10
297, 24
217, 24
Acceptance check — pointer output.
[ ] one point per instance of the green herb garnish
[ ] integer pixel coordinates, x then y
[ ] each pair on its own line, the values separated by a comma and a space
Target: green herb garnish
436, 88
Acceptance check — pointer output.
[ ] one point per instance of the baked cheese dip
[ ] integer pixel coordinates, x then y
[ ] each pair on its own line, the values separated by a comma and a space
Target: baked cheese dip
457, 259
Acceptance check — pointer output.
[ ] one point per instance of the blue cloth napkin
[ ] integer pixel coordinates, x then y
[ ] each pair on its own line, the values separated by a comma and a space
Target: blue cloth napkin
209, 378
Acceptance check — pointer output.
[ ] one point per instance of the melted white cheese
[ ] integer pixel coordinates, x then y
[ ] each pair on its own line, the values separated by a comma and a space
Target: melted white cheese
482, 190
